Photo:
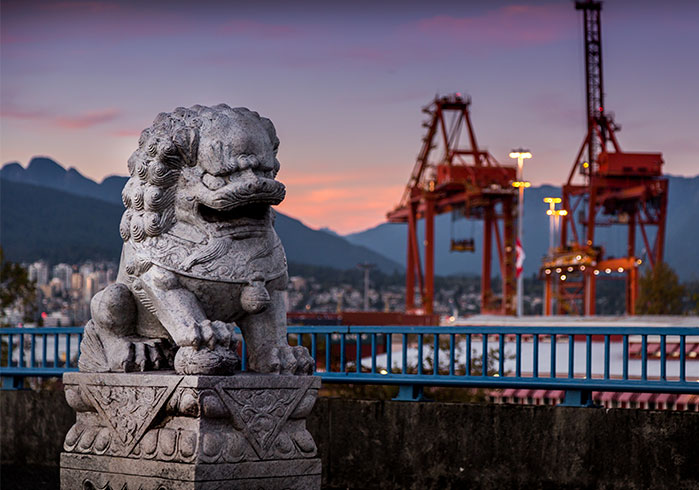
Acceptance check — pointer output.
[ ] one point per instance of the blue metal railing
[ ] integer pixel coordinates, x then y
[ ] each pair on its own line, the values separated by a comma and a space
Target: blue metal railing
58, 350
578, 360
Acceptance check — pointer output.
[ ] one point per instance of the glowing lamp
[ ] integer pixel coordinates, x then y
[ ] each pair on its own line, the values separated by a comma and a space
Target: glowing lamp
520, 154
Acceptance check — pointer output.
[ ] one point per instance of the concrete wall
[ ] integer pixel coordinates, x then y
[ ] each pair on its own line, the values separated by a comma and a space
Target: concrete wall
375, 444
32, 426
378, 444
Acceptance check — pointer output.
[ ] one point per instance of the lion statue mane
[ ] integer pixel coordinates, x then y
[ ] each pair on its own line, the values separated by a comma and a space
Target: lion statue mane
200, 253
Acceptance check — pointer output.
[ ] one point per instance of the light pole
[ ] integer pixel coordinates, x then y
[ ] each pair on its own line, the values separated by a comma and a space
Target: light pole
553, 215
520, 154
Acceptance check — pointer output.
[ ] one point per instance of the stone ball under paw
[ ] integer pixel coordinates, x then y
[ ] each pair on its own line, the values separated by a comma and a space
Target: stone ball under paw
255, 298
219, 361
114, 309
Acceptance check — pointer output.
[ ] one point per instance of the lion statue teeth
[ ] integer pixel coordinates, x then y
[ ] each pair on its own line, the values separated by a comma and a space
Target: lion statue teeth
200, 253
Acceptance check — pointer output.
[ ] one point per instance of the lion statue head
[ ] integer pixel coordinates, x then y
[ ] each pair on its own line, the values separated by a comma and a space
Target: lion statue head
210, 167
201, 175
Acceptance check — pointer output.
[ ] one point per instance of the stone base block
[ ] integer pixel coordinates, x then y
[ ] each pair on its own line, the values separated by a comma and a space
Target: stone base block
88, 472
168, 431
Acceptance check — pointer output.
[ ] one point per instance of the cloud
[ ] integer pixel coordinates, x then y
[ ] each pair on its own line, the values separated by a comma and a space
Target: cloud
253, 28
77, 121
318, 179
87, 120
16, 113
341, 208
509, 26
82, 6
127, 133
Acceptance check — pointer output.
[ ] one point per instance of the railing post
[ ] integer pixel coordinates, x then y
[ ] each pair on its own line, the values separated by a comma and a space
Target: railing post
578, 398
411, 393
12, 383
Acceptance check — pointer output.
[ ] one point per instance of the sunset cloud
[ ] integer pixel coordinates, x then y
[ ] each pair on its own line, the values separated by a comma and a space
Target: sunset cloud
507, 26
82, 6
127, 133
247, 27
75, 121
341, 209
88, 119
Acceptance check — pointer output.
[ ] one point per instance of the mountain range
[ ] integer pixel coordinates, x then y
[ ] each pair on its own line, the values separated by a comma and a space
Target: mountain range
60, 215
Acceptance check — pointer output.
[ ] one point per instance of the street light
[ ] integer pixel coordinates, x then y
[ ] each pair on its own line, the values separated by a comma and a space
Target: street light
520, 154
552, 201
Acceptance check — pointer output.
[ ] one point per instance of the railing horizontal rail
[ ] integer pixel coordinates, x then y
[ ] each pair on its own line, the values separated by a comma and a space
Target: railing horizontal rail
500, 382
580, 358
42, 330
493, 330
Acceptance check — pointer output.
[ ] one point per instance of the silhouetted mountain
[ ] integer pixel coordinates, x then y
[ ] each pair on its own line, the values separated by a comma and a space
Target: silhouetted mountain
329, 231
42, 223
45, 172
681, 236
39, 220
307, 246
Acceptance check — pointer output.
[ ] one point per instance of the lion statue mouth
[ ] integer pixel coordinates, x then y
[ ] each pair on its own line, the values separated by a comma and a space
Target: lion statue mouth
255, 213
243, 204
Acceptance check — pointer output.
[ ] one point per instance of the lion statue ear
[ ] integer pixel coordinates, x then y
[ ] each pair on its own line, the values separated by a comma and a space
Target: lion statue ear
269, 127
186, 141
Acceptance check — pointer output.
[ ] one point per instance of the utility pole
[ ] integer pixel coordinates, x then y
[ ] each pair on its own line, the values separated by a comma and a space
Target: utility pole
366, 267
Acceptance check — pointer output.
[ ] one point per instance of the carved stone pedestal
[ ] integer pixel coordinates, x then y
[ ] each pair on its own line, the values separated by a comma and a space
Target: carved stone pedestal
167, 431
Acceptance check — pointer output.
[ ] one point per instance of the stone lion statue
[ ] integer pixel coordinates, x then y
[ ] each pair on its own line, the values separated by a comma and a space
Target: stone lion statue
200, 253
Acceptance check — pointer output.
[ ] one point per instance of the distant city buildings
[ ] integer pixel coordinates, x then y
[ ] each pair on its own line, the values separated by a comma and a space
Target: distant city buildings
39, 273
64, 292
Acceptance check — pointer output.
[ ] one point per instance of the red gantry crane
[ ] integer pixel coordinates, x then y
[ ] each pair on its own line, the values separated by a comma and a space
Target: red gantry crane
613, 188
452, 174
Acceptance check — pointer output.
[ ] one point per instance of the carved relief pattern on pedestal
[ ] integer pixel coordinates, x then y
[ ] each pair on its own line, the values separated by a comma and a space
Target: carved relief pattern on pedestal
260, 424
127, 411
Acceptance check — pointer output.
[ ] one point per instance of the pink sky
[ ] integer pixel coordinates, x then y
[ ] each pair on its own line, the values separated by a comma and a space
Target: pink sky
344, 84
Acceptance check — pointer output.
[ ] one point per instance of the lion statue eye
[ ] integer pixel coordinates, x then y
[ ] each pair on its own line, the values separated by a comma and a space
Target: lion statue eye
212, 182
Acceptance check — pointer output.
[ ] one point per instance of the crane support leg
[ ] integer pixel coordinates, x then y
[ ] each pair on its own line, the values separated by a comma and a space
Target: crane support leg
631, 276
486, 292
428, 300
410, 269
590, 292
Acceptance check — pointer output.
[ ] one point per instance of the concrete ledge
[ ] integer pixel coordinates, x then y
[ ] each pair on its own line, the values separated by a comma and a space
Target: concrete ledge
384, 444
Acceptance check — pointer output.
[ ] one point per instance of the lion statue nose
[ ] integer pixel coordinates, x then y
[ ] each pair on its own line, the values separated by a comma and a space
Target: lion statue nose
212, 182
